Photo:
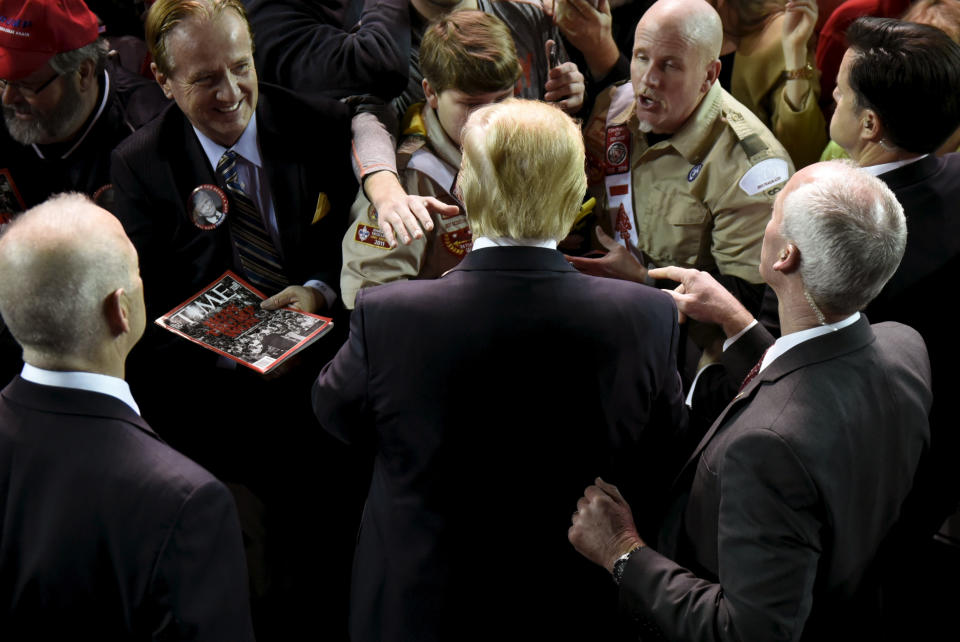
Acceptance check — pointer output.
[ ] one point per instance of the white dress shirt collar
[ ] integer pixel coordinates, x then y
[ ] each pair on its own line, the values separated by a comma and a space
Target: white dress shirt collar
876, 170
794, 339
246, 146
89, 381
484, 241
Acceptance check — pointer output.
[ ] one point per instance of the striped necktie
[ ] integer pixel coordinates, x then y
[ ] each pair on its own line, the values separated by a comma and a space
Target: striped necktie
260, 260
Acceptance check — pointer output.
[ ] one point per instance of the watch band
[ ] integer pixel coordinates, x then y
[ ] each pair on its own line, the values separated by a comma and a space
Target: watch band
621, 563
804, 73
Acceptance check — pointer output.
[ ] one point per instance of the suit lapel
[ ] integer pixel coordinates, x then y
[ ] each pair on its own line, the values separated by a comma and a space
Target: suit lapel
822, 348
286, 180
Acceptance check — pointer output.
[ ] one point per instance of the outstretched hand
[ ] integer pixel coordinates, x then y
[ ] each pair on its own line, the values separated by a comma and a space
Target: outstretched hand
700, 297
402, 216
617, 263
298, 297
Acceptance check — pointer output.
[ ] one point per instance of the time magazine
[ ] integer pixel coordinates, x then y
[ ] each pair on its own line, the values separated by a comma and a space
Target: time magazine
226, 317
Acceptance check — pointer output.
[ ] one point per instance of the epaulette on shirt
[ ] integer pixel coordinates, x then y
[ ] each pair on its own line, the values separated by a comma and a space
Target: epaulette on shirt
769, 173
751, 142
414, 131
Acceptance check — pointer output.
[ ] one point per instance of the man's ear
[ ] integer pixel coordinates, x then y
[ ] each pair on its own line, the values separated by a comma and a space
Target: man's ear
88, 76
713, 72
433, 98
116, 312
162, 79
871, 129
788, 259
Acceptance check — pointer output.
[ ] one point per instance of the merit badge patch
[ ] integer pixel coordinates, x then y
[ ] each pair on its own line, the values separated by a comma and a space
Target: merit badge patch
458, 243
370, 235
764, 175
618, 150
694, 172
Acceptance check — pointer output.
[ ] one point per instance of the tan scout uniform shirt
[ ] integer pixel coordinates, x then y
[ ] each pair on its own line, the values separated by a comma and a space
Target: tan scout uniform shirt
368, 260
701, 198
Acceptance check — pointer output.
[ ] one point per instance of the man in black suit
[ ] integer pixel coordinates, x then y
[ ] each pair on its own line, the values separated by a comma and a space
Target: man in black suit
292, 161
898, 100
280, 166
105, 528
511, 374
780, 517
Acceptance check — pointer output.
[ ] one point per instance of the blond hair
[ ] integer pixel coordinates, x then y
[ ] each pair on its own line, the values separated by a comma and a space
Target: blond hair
165, 15
523, 171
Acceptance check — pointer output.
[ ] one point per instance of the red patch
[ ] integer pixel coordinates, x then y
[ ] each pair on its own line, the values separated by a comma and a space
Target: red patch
458, 243
619, 190
623, 223
370, 235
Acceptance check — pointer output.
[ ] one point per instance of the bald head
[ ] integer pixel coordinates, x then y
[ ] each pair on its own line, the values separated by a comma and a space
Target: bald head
62, 261
693, 20
675, 62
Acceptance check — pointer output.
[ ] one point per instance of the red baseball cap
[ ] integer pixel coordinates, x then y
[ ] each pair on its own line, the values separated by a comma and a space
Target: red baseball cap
32, 31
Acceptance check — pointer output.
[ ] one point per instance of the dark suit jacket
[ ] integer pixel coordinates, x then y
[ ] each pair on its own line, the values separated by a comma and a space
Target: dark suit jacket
784, 505
106, 530
325, 47
492, 397
305, 149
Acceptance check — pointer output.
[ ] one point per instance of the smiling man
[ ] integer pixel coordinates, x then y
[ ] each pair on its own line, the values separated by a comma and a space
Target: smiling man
687, 174
279, 168
228, 131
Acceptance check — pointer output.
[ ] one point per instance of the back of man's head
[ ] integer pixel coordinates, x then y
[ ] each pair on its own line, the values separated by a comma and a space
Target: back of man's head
471, 51
851, 233
909, 74
60, 262
523, 171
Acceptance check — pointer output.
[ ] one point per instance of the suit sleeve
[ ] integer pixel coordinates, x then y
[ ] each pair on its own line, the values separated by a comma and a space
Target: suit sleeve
340, 393
768, 551
200, 583
302, 45
135, 210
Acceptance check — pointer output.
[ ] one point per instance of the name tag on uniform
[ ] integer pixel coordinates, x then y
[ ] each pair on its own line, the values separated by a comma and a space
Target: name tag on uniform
764, 175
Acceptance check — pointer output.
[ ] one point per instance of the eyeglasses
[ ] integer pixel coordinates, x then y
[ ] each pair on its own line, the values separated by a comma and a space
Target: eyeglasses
25, 91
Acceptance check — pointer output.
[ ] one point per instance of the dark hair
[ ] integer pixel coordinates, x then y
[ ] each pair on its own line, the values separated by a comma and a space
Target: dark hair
909, 74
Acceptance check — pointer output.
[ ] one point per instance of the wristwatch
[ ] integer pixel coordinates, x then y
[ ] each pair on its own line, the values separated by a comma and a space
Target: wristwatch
621, 563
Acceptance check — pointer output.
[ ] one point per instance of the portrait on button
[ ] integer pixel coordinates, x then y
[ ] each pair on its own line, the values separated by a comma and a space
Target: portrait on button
208, 207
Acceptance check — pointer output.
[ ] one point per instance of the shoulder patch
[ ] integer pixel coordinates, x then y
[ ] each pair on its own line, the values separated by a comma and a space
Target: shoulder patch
370, 235
764, 175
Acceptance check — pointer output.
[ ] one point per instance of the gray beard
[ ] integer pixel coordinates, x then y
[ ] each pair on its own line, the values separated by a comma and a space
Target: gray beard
58, 125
